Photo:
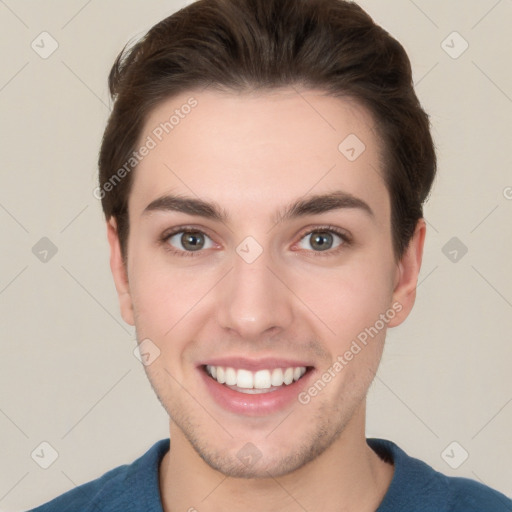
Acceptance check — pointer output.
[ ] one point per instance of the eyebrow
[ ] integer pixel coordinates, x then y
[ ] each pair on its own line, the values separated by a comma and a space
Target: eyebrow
310, 205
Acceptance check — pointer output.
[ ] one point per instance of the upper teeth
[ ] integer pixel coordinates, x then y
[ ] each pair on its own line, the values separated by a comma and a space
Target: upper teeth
262, 379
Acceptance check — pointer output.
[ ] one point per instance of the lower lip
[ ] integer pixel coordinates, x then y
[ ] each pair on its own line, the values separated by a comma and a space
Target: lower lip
254, 404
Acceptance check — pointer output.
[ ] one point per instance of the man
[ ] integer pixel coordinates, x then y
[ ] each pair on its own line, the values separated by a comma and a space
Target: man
262, 175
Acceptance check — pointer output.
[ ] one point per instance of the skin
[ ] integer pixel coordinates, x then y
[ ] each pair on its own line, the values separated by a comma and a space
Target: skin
293, 301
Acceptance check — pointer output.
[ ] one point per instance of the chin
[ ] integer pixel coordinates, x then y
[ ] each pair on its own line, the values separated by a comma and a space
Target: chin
266, 455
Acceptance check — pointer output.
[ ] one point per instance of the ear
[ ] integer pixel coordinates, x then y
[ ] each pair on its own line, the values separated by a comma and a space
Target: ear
404, 293
119, 272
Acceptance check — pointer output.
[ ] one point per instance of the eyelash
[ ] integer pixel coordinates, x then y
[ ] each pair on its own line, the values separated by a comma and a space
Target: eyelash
346, 240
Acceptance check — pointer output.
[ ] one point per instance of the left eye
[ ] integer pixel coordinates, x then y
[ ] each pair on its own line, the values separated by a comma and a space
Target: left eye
321, 240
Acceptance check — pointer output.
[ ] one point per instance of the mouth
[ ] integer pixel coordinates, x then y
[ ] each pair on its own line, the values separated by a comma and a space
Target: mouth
251, 388
255, 382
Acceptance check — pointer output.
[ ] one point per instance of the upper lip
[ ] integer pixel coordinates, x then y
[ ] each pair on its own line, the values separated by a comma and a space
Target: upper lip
254, 364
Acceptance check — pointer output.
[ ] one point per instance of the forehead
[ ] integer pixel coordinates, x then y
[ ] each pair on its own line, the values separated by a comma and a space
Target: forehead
259, 150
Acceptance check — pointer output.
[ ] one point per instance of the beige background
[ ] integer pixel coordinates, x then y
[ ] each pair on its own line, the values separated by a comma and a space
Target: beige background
68, 374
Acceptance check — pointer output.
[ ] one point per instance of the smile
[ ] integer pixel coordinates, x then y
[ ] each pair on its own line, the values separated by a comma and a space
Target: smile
261, 381
255, 388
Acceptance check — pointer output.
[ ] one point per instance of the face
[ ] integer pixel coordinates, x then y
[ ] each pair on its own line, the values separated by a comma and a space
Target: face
260, 272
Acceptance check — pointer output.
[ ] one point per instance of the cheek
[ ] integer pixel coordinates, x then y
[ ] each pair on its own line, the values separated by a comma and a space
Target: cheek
164, 296
162, 303
349, 298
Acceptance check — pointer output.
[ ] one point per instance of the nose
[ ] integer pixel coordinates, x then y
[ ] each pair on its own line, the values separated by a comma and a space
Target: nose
254, 300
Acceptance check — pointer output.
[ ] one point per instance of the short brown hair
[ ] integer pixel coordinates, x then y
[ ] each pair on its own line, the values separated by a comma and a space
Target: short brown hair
251, 45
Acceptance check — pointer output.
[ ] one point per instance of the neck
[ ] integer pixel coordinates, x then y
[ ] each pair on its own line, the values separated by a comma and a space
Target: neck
348, 476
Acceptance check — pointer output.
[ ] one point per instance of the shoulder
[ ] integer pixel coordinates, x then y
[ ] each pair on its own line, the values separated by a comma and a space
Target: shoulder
418, 487
128, 487
470, 495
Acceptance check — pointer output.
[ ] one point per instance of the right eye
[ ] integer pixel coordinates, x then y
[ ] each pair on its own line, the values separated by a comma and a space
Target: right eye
188, 241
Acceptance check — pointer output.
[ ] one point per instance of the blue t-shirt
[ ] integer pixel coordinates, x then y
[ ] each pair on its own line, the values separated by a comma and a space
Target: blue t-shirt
415, 487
